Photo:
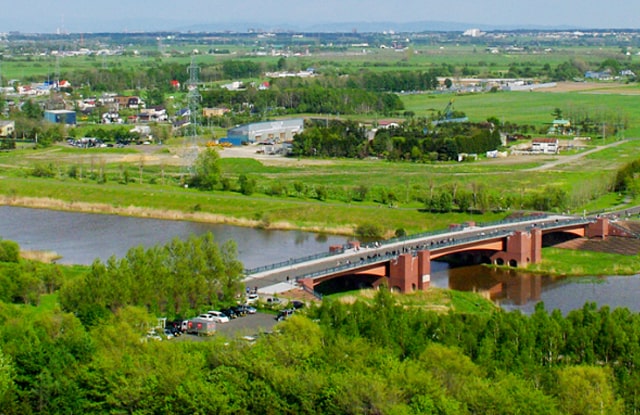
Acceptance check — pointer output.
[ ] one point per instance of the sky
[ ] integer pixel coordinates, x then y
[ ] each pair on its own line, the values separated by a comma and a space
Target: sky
87, 16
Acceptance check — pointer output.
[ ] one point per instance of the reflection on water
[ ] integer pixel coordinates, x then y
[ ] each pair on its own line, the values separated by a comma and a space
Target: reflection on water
522, 291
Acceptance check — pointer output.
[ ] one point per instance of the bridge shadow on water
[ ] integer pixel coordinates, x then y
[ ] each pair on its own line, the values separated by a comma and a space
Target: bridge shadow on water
462, 272
347, 283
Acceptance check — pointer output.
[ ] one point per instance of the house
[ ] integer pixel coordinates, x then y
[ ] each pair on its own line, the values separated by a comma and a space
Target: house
599, 76
151, 114
560, 127
129, 102
214, 112
7, 128
544, 146
387, 124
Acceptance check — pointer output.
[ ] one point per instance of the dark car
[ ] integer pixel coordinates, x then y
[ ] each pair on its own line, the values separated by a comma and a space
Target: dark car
296, 304
285, 314
229, 312
174, 326
239, 310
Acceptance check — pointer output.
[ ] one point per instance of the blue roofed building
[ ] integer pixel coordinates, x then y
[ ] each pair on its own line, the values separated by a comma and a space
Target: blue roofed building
60, 116
266, 132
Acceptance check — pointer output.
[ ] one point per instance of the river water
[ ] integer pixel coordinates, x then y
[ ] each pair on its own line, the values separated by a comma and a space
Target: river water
81, 238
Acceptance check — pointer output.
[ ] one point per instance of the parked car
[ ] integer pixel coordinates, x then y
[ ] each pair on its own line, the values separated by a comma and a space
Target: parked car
230, 313
285, 314
297, 304
252, 298
248, 309
218, 316
240, 310
152, 335
273, 300
207, 317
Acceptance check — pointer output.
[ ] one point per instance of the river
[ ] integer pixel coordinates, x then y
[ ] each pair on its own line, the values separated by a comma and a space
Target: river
81, 238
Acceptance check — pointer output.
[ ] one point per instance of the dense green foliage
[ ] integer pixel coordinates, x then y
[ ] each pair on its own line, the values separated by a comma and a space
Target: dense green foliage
368, 357
302, 96
418, 140
182, 277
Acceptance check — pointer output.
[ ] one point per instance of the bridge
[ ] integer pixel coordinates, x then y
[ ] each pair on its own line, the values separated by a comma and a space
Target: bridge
404, 264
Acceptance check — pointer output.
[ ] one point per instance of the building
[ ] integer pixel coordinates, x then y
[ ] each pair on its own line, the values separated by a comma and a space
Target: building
560, 127
214, 112
131, 102
544, 146
271, 132
7, 128
60, 116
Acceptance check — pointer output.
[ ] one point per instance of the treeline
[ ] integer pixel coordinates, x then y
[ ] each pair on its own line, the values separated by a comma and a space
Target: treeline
180, 279
420, 141
374, 357
307, 97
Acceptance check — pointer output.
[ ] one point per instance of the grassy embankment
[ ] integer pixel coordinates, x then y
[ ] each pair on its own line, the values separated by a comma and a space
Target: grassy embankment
145, 194
585, 263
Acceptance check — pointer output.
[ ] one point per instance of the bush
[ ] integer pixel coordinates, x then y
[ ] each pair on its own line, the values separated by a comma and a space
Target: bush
368, 232
9, 251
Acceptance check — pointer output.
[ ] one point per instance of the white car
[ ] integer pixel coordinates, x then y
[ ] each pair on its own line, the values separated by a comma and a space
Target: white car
218, 316
207, 316
252, 298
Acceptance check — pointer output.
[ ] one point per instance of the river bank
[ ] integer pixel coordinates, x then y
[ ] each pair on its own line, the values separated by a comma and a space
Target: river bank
166, 214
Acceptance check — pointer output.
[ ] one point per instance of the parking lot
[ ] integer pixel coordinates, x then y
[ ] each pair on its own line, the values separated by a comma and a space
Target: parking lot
248, 325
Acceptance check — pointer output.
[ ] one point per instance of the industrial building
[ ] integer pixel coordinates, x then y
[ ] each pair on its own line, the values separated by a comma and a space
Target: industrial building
271, 132
60, 116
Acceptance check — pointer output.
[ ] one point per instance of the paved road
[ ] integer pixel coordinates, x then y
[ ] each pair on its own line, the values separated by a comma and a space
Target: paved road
571, 159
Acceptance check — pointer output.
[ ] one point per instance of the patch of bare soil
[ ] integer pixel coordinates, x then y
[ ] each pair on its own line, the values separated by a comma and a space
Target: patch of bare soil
269, 159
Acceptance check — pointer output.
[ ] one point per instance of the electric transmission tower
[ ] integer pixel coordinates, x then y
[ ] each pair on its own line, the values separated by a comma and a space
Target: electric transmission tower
193, 98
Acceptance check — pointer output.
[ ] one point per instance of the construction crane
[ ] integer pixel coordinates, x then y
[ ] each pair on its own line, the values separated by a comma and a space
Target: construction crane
447, 114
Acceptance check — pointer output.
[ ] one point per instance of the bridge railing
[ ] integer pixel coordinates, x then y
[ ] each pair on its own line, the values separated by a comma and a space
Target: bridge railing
560, 222
462, 227
389, 255
294, 261
401, 239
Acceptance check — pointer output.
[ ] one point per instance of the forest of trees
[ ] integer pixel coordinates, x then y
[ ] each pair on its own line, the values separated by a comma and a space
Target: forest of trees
374, 356
418, 140
179, 279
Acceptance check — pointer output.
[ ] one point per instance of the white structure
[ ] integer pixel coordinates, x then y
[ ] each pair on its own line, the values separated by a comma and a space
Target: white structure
544, 146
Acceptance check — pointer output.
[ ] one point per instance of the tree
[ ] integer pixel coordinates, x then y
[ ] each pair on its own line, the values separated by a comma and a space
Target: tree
247, 185
32, 110
206, 174
586, 390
